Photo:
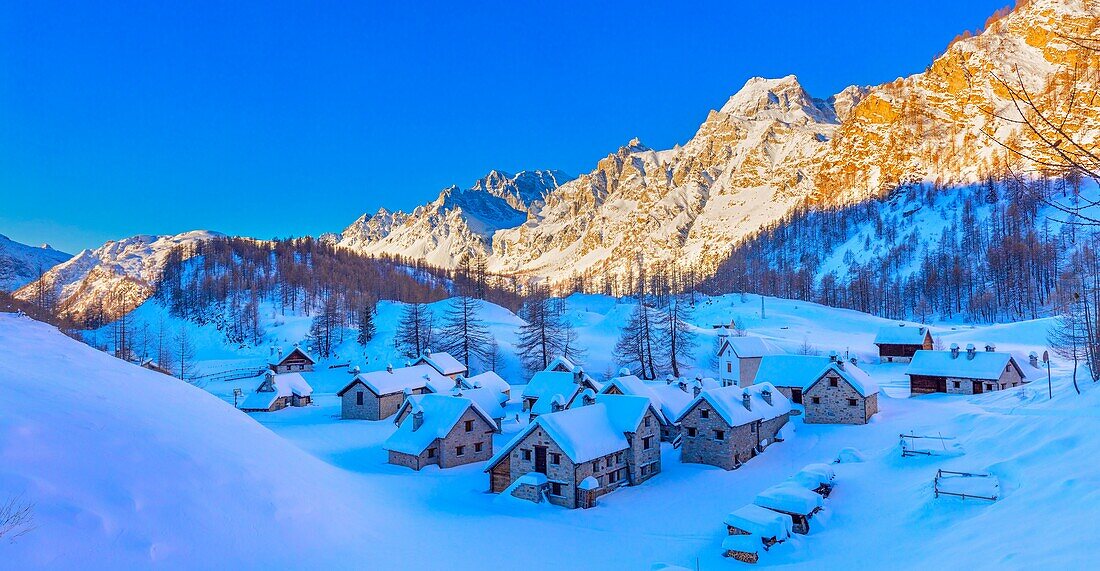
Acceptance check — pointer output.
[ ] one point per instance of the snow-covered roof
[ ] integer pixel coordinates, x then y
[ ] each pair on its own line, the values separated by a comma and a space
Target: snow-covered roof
790, 499
729, 403
489, 380
546, 405
853, 375
749, 347
584, 432
589, 483
562, 363
294, 350
285, 385
442, 362
668, 399
550, 383
981, 365
441, 413
744, 543
791, 370
761, 522
627, 411
490, 400
1024, 361
388, 381
901, 334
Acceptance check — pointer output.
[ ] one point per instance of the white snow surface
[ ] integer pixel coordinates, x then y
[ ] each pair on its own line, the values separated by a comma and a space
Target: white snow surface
979, 365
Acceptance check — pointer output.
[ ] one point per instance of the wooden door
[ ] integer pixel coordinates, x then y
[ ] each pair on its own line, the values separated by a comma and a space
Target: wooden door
540, 459
977, 387
796, 396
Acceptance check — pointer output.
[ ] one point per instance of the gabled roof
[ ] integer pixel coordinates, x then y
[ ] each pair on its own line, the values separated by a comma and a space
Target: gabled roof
441, 413
490, 400
285, 385
748, 347
442, 362
790, 370
389, 381
489, 380
853, 375
668, 399
627, 411
550, 383
297, 350
562, 363
985, 365
901, 334
583, 433
728, 402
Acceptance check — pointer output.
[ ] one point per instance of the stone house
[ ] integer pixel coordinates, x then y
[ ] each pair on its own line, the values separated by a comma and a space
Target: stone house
378, 394
796, 502
791, 374
278, 391
571, 457
670, 399
739, 358
841, 394
489, 400
974, 372
296, 361
443, 430
447, 365
727, 426
488, 380
897, 344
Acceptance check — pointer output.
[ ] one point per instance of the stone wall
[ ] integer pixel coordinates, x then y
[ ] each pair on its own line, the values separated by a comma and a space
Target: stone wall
639, 456
481, 432
833, 402
749, 366
563, 473
350, 410
409, 460
737, 446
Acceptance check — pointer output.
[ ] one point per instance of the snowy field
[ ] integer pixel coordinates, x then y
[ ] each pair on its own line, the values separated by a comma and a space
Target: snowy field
131, 469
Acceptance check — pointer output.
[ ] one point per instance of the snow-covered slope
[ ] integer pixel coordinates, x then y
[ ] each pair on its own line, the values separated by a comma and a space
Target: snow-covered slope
21, 264
115, 277
458, 223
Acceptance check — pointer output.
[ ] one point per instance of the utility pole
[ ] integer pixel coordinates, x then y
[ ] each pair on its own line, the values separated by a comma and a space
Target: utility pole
762, 307
1046, 361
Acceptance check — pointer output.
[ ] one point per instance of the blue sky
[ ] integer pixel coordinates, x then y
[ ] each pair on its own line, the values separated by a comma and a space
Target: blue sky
278, 119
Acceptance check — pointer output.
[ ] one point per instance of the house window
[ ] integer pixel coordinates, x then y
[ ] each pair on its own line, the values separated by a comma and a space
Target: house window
555, 458
832, 382
752, 428
619, 457
478, 446
555, 488
646, 442
526, 454
704, 413
613, 477
645, 470
469, 426
719, 434
729, 367
691, 432
815, 400
460, 450
359, 398
647, 421
851, 402
431, 453
956, 384
596, 465
989, 386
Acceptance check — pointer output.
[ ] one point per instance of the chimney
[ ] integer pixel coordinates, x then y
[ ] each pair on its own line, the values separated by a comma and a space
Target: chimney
767, 396
458, 381
746, 400
578, 375
970, 350
389, 368
682, 383
269, 381
1033, 359
588, 397
833, 357
418, 418
695, 390
989, 347
854, 360
954, 350
557, 403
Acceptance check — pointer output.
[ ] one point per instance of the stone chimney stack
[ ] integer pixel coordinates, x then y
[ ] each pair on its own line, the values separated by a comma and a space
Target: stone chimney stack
746, 400
557, 403
578, 375
954, 350
854, 360
989, 347
833, 357
970, 351
766, 395
458, 382
418, 418
1033, 359
588, 397
389, 368
696, 389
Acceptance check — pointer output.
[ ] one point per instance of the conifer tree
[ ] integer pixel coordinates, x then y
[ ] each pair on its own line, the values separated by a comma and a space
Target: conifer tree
464, 334
366, 325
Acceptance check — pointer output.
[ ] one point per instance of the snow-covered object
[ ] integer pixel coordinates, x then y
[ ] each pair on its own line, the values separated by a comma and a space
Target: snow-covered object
394, 380
825, 471
985, 365
589, 483
550, 383
284, 385
440, 414
117, 276
791, 370
21, 264
744, 543
749, 346
443, 362
790, 499
850, 456
670, 400
856, 377
729, 402
901, 334
490, 400
488, 380
561, 363
761, 522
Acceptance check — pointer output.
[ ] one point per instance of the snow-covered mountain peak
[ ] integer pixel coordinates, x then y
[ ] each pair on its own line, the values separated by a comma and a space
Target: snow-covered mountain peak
21, 264
783, 98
